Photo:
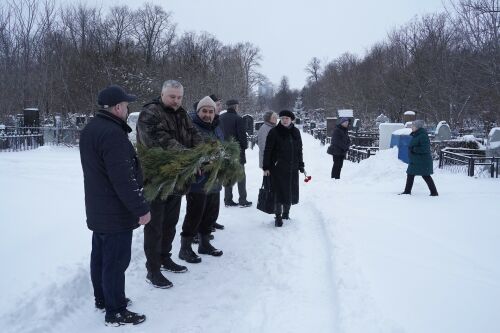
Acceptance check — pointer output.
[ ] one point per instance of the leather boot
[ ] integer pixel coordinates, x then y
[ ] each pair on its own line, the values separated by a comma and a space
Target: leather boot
278, 221
204, 247
186, 252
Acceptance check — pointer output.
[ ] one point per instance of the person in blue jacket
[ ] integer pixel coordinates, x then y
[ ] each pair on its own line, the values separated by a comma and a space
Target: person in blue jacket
202, 209
420, 158
114, 202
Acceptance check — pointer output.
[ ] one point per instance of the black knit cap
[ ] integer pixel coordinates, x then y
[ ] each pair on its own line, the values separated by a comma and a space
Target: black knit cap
232, 102
214, 98
113, 95
287, 113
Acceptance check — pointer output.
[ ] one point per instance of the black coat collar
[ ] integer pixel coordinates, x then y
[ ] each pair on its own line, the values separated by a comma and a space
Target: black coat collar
109, 116
283, 131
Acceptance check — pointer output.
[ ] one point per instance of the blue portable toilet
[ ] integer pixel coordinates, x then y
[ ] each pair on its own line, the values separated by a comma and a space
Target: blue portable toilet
401, 138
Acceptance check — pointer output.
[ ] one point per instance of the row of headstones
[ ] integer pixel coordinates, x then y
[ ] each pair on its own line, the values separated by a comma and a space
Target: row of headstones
442, 132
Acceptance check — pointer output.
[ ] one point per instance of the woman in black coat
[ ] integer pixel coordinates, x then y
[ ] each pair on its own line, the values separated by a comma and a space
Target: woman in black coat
283, 161
339, 146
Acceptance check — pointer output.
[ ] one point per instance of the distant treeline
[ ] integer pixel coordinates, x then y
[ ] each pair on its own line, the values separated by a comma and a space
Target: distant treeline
57, 58
444, 66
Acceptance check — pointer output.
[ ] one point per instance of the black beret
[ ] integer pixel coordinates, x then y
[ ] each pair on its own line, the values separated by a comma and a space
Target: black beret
232, 102
287, 113
214, 98
113, 95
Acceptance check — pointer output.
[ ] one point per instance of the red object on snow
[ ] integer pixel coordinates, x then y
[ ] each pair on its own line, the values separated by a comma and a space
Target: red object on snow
306, 177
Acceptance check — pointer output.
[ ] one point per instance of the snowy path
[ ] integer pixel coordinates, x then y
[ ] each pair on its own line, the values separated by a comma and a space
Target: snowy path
268, 280
354, 258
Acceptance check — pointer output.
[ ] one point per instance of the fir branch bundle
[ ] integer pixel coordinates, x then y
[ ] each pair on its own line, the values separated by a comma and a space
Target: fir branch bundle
173, 171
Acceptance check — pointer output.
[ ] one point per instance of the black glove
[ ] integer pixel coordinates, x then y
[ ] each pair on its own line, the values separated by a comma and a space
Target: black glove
301, 169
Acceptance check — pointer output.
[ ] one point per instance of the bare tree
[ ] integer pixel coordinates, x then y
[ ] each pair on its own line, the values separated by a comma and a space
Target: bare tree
313, 69
153, 30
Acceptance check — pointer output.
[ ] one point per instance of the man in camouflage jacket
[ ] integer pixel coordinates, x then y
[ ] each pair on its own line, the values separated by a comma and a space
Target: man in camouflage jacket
164, 123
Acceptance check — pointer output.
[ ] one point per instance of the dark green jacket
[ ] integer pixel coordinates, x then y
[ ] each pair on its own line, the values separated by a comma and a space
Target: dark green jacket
419, 152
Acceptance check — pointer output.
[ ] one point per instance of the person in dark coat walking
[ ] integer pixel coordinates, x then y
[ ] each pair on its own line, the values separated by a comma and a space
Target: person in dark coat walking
339, 146
202, 208
164, 123
114, 202
233, 127
420, 158
282, 161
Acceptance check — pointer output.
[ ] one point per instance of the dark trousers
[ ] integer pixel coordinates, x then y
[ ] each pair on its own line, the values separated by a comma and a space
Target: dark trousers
428, 180
202, 211
109, 260
338, 162
159, 233
242, 189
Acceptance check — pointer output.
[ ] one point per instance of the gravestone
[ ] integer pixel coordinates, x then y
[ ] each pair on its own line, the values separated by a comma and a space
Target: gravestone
330, 125
493, 146
409, 116
385, 133
381, 119
443, 131
31, 117
356, 125
258, 124
248, 123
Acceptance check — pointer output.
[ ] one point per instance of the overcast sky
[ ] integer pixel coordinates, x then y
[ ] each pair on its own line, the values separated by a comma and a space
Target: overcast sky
289, 33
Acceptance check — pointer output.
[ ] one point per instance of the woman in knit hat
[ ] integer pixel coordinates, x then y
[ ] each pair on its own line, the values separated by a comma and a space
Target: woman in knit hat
420, 164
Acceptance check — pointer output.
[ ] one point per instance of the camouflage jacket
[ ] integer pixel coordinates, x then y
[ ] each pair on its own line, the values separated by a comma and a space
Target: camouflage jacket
161, 126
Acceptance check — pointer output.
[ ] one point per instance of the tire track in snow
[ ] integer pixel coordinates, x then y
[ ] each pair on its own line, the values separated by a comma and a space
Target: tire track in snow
328, 255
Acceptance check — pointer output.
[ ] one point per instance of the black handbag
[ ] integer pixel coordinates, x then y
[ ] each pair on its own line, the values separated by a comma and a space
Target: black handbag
330, 150
266, 196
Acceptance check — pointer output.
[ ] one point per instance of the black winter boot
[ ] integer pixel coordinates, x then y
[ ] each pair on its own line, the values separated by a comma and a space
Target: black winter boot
169, 265
285, 216
230, 203
124, 317
158, 280
186, 252
206, 248
278, 221
218, 226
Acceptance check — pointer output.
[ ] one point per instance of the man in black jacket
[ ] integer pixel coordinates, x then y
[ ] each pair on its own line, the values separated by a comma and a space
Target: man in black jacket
114, 202
233, 127
339, 146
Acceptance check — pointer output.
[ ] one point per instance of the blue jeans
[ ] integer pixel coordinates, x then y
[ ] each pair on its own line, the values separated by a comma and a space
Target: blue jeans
109, 260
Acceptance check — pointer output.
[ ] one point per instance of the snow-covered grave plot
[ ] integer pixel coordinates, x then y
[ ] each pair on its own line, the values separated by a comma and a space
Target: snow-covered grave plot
355, 257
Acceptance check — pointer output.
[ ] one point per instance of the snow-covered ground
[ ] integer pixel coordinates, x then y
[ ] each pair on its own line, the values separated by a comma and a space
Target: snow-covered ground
355, 257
